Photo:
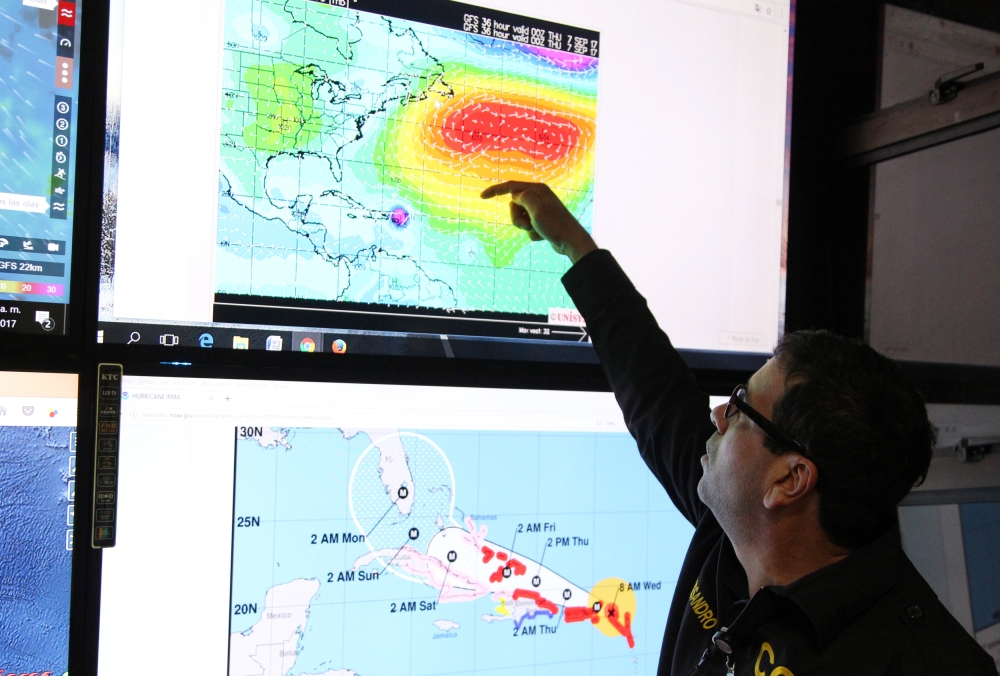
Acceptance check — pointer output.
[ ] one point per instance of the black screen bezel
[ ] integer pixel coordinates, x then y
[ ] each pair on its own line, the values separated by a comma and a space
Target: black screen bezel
92, 31
722, 361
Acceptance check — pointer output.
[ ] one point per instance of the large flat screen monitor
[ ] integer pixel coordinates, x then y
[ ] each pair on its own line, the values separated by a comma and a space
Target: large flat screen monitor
37, 510
312, 528
40, 52
305, 175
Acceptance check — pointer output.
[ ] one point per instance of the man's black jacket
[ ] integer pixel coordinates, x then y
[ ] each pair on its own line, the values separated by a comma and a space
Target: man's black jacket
870, 613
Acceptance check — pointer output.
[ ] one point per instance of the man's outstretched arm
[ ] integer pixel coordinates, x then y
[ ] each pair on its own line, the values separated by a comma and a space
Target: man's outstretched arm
663, 408
536, 209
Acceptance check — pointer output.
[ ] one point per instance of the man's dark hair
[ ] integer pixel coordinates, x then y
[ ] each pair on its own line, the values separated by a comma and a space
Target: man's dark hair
861, 421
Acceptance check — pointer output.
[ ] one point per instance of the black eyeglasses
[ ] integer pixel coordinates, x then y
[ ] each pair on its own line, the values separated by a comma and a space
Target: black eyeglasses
737, 402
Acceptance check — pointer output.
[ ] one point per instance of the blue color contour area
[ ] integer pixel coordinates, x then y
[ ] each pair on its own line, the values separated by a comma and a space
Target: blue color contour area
35, 565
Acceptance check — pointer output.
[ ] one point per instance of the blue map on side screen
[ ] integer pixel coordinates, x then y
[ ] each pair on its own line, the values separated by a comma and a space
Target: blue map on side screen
39, 67
36, 481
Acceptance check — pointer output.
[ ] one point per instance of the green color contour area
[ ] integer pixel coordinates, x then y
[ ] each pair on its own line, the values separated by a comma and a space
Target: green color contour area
284, 116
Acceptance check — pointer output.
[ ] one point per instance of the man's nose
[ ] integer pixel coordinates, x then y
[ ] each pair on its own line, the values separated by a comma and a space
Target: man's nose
719, 419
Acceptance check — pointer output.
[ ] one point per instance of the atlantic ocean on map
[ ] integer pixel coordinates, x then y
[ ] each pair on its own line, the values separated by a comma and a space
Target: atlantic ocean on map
35, 563
354, 147
376, 551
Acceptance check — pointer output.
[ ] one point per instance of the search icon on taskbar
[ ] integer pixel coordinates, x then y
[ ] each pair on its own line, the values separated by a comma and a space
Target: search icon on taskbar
134, 338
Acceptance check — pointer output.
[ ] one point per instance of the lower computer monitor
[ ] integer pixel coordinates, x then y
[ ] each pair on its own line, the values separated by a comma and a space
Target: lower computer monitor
37, 495
287, 528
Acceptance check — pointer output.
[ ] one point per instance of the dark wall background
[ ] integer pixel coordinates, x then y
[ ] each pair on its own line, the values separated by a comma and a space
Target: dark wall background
836, 80
837, 51
983, 14
835, 76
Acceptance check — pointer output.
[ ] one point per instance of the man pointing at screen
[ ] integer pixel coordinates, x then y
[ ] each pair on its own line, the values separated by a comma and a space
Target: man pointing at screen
795, 566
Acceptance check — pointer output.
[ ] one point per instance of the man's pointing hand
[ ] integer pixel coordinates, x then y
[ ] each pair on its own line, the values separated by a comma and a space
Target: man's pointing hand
536, 209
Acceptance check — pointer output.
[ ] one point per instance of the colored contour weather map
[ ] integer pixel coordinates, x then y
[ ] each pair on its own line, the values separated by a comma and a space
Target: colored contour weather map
354, 147
356, 551
28, 40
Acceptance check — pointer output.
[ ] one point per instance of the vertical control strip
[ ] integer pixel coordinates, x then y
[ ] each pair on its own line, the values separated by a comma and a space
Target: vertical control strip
65, 49
108, 430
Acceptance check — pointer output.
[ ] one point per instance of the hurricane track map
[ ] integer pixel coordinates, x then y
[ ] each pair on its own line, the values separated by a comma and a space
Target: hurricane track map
354, 147
378, 551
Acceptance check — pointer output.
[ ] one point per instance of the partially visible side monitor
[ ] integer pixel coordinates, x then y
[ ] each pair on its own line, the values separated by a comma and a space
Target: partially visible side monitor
39, 45
313, 528
37, 503
318, 190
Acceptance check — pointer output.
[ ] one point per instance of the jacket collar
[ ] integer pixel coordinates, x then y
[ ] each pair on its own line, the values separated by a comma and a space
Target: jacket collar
834, 596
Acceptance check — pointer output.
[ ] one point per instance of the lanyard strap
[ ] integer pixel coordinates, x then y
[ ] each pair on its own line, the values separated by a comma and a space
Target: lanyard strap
764, 605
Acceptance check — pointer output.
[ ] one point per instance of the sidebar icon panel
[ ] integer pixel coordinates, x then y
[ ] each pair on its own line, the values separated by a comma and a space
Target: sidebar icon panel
108, 426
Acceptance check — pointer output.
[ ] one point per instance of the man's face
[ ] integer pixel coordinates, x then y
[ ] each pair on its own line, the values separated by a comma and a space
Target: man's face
736, 466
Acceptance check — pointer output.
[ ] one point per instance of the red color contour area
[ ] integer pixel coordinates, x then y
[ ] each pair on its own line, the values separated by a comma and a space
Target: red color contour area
487, 554
519, 568
501, 556
487, 125
539, 600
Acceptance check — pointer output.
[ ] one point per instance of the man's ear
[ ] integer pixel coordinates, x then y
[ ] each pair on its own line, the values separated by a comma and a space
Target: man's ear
794, 478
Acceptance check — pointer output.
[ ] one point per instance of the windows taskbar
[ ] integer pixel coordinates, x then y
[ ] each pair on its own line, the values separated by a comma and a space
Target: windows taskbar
17, 316
333, 341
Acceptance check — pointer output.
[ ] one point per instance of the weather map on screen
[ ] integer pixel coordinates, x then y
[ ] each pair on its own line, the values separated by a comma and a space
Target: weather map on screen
327, 168
348, 541
37, 510
38, 115
354, 147
35, 466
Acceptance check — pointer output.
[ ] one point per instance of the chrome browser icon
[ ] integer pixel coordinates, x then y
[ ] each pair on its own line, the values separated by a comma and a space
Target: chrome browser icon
307, 345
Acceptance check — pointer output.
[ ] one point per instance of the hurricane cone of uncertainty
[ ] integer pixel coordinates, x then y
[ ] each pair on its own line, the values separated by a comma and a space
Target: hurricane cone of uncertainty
378, 550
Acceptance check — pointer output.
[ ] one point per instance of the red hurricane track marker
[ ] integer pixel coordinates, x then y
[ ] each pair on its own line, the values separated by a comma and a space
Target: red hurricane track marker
497, 575
625, 629
539, 600
579, 613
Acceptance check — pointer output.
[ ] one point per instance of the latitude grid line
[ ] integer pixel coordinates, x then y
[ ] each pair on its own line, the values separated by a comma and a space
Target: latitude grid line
593, 529
298, 181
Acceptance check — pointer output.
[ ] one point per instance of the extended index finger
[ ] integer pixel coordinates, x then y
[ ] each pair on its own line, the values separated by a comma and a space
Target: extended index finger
505, 188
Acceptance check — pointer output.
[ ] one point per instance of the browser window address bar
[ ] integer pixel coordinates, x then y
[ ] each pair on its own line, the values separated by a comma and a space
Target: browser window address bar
443, 420
770, 11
